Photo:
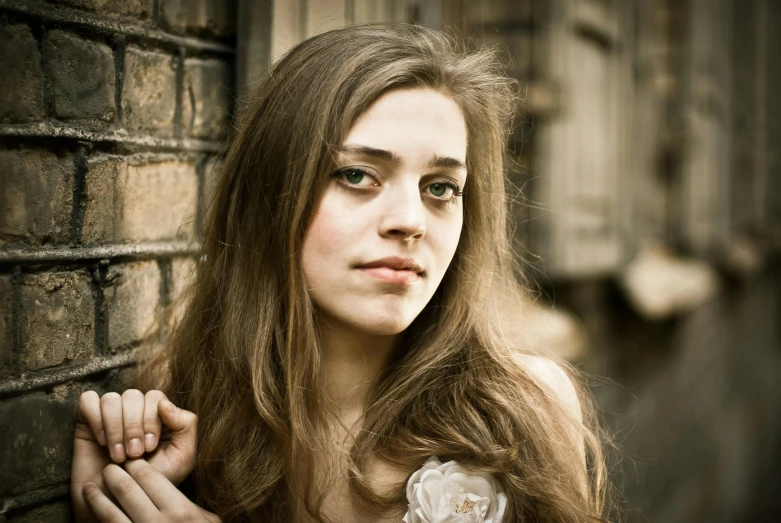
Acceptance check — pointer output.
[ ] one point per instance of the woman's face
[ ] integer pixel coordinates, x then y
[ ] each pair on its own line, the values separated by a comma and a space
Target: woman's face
394, 194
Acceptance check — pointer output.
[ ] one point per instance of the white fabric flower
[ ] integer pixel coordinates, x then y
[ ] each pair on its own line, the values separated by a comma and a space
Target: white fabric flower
448, 493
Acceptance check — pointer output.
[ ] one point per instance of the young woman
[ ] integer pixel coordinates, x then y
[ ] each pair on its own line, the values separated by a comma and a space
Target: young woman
352, 312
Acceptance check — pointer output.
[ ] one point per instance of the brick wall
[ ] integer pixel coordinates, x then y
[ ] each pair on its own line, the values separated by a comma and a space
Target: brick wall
112, 113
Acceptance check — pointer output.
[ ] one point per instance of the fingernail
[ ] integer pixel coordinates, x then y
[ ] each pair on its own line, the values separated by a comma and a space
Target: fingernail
149, 441
102, 438
134, 447
119, 452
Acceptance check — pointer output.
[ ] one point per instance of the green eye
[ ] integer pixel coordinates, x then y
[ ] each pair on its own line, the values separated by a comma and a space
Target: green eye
438, 189
353, 175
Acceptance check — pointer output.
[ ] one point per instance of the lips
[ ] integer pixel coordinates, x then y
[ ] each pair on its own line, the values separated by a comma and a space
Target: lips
396, 263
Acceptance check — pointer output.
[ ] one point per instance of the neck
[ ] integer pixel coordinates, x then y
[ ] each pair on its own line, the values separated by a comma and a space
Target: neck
353, 360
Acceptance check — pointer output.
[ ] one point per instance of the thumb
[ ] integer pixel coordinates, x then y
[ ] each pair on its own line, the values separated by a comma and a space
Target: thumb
182, 423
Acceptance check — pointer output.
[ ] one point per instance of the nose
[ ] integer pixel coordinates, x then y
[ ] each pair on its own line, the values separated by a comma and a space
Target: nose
404, 215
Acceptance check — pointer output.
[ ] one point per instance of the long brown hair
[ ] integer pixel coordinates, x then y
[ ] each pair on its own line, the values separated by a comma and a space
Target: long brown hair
245, 355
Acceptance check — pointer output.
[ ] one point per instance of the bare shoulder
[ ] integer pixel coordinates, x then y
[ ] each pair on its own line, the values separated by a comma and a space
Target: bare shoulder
551, 375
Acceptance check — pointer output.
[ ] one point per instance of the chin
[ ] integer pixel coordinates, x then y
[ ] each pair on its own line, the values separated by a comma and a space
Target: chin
384, 325
378, 317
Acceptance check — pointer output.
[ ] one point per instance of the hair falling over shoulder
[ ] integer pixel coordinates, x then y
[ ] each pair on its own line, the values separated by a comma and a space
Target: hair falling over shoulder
244, 355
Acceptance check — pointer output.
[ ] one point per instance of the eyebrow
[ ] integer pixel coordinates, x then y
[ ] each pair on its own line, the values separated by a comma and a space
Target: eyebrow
443, 162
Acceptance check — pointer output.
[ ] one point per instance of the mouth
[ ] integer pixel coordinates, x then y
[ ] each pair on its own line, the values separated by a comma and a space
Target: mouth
390, 275
395, 263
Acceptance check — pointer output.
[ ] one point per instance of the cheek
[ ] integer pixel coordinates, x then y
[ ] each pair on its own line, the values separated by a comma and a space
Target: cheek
317, 248
448, 239
324, 245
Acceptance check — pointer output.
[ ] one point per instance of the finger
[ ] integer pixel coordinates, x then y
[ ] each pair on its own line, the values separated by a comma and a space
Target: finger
152, 424
135, 502
183, 425
101, 506
111, 410
89, 411
163, 493
133, 422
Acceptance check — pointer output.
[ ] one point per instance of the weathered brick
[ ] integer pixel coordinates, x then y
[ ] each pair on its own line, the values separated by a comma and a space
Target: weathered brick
127, 378
37, 443
131, 302
57, 316
82, 76
37, 195
183, 274
100, 210
138, 201
21, 84
59, 512
200, 17
149, 91
6, 323
206, 98
211, 175
70, 391
141, 9
157, 201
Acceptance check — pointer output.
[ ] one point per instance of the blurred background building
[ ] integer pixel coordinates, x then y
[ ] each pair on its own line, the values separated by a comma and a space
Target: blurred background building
645, 185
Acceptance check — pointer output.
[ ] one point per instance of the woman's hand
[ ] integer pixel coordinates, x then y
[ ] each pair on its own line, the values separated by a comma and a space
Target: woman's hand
144, 494
114, 421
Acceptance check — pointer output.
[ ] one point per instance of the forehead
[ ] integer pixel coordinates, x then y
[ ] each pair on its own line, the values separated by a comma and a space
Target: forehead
412, 121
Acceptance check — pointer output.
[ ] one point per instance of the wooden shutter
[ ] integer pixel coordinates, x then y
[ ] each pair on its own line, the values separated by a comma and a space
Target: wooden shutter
704, 189
771, 82
378, 11
581, 151
746, 202
296, 20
